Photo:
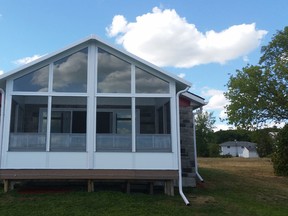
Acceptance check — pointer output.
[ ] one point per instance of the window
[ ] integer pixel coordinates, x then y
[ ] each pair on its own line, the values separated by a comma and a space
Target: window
113, 74
68, 124
25, 130
154, 134
70, 73
148, 83
114, 124
36, 81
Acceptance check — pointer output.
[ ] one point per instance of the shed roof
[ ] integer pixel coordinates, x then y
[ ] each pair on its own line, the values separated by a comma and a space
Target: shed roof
238, 143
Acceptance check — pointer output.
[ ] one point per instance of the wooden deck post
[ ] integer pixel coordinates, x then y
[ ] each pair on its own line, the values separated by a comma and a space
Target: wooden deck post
151, 187
169, 188
128, 187
90, 185
6, 185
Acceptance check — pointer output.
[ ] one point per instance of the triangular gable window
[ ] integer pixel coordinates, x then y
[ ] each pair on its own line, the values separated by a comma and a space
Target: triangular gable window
36, 81
70, 73
148, 83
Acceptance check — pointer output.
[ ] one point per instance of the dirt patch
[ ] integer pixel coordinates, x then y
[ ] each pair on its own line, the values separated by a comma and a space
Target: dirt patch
202, 200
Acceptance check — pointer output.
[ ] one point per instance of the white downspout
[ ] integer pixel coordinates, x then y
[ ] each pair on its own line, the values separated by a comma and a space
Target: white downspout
1, 121
195, 149
179, 147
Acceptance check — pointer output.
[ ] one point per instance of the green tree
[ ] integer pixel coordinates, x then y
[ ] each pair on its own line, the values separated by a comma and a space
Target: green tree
265, 139
204, 132
214, 150
258, 94
280, 156
222, 136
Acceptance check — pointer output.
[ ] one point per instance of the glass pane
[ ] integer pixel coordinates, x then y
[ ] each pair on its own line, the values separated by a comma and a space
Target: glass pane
114, 74
70, 73
123, 122
154, 130
104, 122
61, 121
68, 124
148, 83
36, 81
114, 124
27, 131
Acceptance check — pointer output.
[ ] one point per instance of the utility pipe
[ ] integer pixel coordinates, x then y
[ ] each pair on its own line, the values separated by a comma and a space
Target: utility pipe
195, 149
1, 121
179, 147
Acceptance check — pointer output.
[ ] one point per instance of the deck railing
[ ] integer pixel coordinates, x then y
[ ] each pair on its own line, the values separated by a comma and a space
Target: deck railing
153, 143
37, 142
144, 143
66, 142
27, 142
113, 143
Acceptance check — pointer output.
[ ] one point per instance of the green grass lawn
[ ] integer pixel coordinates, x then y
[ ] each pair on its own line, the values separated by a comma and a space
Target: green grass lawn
232, 187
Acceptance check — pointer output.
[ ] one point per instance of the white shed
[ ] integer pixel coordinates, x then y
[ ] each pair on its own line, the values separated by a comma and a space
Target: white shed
239, 149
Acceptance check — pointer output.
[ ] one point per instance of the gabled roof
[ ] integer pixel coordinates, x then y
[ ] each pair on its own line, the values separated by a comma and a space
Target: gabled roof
181, 83
238, 143
251, 148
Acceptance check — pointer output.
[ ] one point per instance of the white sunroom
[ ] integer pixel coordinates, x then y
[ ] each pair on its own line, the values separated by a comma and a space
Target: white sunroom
89, 107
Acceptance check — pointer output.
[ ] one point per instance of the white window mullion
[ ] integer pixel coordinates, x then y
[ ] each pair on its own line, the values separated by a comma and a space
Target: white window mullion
95, 71
133, 81
134, 119
133, 108
50, 80
48, 123
6, 124
90, 116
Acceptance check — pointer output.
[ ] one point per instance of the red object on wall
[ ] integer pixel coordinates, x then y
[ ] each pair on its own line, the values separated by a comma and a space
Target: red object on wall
183, 102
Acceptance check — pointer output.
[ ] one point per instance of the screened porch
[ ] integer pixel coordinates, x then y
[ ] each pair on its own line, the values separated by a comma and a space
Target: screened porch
62, 126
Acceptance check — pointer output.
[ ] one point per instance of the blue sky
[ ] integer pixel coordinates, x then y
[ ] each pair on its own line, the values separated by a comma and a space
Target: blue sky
204, 41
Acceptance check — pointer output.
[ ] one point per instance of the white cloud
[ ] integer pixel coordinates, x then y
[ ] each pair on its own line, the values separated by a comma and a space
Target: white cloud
181, 75
1, 72
245, 58
216, 104
216, 99
166, 39
118, 25
27, 60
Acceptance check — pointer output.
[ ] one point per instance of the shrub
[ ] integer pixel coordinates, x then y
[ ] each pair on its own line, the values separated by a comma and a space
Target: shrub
280, 155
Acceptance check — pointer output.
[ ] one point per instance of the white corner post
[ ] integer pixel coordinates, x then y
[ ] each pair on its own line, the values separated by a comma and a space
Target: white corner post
1, 121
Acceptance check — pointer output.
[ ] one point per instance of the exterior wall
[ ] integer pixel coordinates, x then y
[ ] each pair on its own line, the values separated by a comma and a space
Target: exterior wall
187, 146
234, 151
79, 160
249, 153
